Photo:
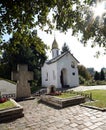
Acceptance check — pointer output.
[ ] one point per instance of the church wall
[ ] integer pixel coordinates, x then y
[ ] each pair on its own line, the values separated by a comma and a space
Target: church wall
51, 72
73, 73
49, 75
65, 63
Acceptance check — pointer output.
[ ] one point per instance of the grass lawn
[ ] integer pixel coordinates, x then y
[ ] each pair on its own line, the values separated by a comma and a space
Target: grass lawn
99, 96
67, 95
6, 105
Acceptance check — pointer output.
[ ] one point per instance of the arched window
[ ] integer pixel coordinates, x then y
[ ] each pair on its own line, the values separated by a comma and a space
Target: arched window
54, 76
46, 76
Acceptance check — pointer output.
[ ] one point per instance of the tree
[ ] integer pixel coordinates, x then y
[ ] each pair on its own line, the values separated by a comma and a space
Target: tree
32, 53
102, 75
64, 48
97, 76
83, 72
79, 15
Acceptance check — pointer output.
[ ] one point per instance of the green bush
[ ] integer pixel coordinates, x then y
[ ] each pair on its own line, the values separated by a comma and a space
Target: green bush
34, 86
93, 82
5, 71
90, 83
99, 82
81, 80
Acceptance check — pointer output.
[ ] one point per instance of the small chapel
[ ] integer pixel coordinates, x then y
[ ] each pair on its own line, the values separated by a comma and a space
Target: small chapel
61, 71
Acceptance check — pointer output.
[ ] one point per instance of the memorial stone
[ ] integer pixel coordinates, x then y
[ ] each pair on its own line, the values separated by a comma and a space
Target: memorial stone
22, 76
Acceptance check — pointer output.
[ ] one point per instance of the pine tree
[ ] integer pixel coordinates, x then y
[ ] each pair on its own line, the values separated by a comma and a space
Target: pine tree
102, 75
97, 76
64, 48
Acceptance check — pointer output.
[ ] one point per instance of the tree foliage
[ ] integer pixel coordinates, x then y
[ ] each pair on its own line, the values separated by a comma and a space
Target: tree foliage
64, 48
97, 76
32, 52
83, 72
18, 15
26, 48
102, 75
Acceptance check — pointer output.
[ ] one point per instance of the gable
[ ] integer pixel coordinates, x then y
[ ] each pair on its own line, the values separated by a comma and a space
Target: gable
61, 56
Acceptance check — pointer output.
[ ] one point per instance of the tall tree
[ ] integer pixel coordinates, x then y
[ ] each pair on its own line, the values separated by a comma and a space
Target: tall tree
32, 53
64, 48
97, 76
31, 50
102, 75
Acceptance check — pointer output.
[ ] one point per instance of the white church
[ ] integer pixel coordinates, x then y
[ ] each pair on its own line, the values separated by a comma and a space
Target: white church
61, 71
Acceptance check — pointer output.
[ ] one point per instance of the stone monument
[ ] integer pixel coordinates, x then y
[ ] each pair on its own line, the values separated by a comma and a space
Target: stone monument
22, 76
51, 89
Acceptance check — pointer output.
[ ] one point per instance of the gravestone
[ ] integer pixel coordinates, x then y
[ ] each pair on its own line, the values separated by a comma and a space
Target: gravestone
22, 76
51, 89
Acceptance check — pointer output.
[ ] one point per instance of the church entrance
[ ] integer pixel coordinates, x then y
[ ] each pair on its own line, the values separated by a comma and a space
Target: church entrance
63, 78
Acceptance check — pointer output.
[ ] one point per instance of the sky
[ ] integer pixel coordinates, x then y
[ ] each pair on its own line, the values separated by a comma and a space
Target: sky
85, 55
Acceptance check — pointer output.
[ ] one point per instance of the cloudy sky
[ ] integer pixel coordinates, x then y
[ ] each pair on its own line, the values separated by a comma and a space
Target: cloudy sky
85, 55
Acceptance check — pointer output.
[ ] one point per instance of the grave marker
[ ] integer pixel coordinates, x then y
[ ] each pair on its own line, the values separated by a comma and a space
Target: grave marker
22, 76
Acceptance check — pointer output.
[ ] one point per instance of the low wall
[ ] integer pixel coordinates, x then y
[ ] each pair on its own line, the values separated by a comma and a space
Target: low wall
11, 113
59, 102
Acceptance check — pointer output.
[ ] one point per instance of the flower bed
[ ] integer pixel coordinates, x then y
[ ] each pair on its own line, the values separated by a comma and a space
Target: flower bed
3, 99
10, 111
62, 102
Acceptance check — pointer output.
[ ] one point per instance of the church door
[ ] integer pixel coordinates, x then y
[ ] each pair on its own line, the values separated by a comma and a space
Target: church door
63, 78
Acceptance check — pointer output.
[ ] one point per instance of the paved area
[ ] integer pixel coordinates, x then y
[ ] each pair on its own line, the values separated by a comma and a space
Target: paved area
84, 88
39, 116
43, 117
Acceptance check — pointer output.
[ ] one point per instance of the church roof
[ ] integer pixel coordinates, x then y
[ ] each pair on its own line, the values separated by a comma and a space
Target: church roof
54, 44
59, 57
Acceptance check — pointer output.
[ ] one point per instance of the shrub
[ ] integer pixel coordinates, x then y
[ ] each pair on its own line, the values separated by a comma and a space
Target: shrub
81, 80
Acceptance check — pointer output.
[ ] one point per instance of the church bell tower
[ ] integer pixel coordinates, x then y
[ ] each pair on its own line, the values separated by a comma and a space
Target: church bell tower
55, 50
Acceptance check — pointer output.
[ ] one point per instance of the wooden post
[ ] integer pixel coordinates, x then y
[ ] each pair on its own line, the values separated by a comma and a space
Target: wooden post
90, 96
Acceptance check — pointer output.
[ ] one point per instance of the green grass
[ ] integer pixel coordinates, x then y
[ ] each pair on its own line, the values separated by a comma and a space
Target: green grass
6, 105
67, 95
99, 96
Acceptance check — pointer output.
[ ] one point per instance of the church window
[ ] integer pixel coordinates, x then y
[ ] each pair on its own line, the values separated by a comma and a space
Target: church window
54, 77
73, 73
46, 76
73, 64
57, 52
53, 54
